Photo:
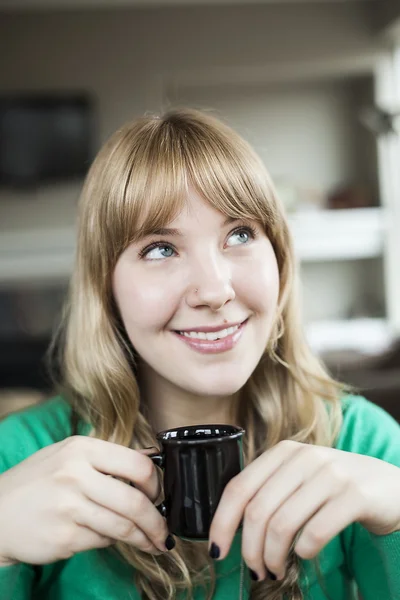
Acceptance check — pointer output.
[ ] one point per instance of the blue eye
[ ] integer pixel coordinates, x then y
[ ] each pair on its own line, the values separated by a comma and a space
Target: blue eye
157, 252
242, 235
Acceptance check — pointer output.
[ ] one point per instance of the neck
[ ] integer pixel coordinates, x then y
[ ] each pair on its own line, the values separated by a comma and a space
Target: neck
169, 407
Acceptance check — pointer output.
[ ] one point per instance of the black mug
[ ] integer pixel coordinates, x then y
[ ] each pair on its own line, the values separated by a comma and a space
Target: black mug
198, 461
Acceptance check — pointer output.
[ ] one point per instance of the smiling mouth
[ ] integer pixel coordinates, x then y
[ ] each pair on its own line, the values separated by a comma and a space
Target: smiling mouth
208, 337
211, 336
213, 342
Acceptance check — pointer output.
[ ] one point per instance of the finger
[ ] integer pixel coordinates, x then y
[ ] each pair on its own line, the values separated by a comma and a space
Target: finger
128, 502
112, 526
271, 497
241, 489
331, 519
291, 516
148, 451
117, 460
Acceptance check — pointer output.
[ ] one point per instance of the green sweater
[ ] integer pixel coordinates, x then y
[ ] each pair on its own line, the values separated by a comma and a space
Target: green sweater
354, 557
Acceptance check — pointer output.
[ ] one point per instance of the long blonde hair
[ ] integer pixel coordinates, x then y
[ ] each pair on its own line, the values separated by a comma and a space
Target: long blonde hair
139, 182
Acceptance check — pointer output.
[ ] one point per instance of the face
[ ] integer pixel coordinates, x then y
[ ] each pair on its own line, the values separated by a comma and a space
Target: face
198, 299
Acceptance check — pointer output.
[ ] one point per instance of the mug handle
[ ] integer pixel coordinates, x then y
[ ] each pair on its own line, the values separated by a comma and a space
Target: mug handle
159, 460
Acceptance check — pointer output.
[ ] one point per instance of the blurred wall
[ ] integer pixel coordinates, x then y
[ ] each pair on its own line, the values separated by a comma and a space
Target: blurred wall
387, 16
131, 60
305, 132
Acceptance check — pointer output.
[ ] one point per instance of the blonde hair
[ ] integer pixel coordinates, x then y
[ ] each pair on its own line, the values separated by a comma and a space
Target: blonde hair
138, 182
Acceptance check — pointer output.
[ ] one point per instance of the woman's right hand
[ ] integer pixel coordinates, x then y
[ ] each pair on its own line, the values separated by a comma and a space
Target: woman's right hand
62, 500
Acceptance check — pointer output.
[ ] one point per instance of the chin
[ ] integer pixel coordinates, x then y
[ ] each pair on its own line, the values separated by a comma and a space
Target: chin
219, 380
219, 388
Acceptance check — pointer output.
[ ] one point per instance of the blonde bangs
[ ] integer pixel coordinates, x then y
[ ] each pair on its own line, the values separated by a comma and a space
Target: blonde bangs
151, 164
224, 169
147, 183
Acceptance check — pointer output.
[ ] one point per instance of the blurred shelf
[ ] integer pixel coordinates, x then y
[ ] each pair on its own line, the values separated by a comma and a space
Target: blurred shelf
366, 335
36, 255
348, 234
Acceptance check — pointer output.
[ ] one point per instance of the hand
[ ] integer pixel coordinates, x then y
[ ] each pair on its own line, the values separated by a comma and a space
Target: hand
308, 491
61, 501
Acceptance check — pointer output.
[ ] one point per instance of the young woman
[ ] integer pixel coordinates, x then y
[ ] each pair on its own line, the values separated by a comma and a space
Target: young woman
183, 310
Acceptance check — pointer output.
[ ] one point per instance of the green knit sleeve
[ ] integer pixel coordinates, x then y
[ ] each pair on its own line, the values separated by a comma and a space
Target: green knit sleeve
16, 582
373, 560
388, 547
22, 434
376, 564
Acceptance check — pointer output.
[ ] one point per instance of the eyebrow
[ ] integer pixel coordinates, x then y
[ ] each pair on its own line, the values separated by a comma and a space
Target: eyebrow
178, 232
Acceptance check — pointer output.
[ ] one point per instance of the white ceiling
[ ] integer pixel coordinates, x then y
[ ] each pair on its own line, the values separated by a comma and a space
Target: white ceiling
66, 4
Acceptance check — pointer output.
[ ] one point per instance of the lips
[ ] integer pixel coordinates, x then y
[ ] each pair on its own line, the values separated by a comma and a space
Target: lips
212, 346
211, 328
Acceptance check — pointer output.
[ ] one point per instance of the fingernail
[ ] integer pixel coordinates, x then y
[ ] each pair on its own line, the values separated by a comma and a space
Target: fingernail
253, 575
271, 575
214, 551
170, 542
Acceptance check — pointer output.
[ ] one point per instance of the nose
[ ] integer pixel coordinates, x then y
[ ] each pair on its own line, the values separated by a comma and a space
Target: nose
211, 284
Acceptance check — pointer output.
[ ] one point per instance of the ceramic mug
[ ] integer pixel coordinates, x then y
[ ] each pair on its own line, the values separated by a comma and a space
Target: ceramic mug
197, 461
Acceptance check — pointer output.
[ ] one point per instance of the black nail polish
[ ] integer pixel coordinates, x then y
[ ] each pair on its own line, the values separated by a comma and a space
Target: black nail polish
253, 575
214, 551
271, 575
170, 542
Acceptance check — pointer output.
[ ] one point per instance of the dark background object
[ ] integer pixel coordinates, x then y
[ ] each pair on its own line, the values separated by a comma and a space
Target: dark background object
380, 121
350, 196
45, 137
23, 364
375, 377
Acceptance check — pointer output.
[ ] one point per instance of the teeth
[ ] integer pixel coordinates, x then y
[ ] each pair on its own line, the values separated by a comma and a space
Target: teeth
212, 336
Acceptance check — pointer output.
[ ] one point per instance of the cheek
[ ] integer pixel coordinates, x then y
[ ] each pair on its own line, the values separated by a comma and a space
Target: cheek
142, 306
260, 284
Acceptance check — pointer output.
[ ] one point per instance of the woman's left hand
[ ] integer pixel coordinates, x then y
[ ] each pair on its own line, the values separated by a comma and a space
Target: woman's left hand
295, 486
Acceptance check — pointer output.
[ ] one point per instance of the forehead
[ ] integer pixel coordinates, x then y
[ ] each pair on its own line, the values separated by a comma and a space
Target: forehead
196, 208
197, 214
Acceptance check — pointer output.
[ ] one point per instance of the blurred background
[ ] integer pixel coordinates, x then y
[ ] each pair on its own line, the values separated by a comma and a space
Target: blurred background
313, 85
